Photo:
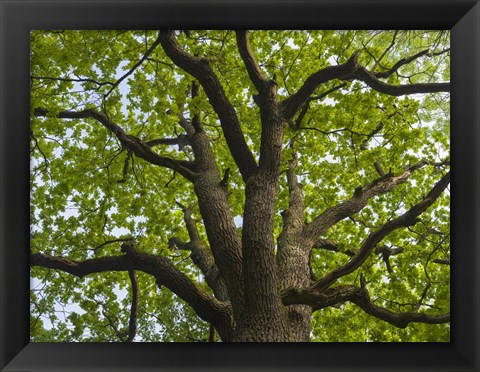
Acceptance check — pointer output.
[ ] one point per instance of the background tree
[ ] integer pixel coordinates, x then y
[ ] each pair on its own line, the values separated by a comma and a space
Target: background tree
240, 186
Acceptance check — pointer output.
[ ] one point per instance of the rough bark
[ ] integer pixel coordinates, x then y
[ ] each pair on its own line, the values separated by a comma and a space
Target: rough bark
201, 70
201, 256
293, 257
221, 231
263, 318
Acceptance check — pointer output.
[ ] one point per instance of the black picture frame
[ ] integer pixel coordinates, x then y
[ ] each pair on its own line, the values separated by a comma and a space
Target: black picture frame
18, 17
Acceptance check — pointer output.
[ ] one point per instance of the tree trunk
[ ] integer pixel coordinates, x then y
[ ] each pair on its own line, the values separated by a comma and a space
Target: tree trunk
263, 317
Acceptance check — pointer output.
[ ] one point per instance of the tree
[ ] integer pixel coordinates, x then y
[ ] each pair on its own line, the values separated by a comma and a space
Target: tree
240, 186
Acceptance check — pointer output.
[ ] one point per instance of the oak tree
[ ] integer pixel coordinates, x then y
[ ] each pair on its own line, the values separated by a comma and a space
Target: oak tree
240, 186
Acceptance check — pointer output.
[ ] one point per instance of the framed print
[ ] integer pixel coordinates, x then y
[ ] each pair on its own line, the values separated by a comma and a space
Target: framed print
256, 185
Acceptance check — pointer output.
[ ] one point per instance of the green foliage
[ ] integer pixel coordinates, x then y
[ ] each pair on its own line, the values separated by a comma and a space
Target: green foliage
87, 190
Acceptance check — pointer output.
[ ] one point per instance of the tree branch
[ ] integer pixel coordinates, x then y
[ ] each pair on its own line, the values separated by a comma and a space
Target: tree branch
196, 122
364, 144
82, 268
392, 43
352, 70
373, 82
201, 256
409, 218
290, 257
132, 324
407, 60
165, 273
400, 63
217, 217
111, 242
293, 103
201, 70
331, 246
385, 251
361, 298
293, 216
134, 144
181, 141
190, 223
298, 122
292, 261
331, 216
79, 80
254, 72
135, 66
112, 324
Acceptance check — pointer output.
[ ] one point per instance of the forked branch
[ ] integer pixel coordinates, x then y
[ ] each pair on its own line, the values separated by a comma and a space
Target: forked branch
203, 72
132, 143
409, 218
351, 70
362, 195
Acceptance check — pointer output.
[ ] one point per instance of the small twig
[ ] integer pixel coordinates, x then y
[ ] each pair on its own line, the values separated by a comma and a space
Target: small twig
111, 241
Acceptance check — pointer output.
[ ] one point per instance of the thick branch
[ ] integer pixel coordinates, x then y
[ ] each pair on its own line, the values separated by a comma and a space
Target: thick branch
293, 103
361, 298
201, 70
82, 268
165, 273
190, 223
219, 224
293, 215
196, 123
292, 261
296, 202
350, 71
331, 216
409, 218
201, 256
373, 82
134, 144
253, 69
220, 227
298, 122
